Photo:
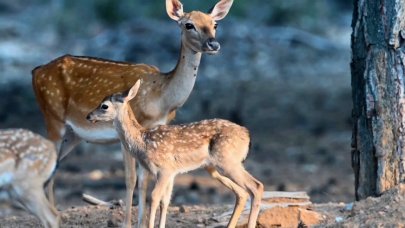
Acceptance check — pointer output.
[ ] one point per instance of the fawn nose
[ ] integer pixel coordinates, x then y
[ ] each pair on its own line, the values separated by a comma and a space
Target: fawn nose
212, 44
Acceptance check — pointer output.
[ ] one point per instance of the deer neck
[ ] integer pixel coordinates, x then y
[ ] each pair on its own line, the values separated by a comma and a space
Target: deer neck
182, 78
129, 130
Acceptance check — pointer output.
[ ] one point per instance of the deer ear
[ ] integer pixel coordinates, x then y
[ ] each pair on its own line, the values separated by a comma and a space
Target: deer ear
133, 91
221, 9
174, 9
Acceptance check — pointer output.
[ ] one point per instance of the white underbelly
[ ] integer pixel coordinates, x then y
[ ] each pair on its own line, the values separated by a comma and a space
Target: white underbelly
97, 134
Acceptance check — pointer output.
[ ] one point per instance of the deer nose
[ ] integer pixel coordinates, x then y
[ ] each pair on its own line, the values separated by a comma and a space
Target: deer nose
88, 117
213, 44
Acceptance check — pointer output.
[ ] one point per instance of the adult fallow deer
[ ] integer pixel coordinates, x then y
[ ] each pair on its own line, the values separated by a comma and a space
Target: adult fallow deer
69, 87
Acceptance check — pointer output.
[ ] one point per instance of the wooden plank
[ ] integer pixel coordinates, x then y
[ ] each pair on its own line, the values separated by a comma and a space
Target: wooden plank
263, 206
279, 194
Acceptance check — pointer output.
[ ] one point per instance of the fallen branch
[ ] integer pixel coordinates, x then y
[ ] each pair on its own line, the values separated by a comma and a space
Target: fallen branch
94, 201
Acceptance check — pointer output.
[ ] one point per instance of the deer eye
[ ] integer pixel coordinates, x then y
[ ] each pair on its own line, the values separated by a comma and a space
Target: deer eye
189, 26
104, 107
215, 26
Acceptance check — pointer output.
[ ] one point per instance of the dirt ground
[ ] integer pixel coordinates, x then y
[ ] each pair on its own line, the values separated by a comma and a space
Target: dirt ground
385, 211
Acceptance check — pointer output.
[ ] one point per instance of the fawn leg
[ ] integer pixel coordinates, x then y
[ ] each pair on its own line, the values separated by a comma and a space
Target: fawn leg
157, 194
238, 174
241, 194
130, 180
164, 204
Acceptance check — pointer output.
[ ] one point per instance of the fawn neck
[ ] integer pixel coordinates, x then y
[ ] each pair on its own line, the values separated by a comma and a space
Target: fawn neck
182, 78
129, 130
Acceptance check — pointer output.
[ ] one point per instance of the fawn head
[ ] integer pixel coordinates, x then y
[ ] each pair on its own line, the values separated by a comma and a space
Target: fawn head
111, 105
198, 29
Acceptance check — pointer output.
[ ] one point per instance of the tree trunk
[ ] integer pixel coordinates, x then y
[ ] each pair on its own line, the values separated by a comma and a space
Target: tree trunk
378, 66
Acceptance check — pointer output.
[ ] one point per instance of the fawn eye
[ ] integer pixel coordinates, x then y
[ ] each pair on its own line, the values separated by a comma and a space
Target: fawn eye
104, 107
189, 26
215, 26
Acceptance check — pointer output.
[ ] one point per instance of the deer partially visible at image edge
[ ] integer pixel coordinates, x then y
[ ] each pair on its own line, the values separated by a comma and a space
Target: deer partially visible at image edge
27, 161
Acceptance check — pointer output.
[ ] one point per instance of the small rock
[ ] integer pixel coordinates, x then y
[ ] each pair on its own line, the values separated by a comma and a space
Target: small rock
287, 217
96, 175
348, 207
183, 209
339, 219
308, 217
111, 223
120, 203
402, 188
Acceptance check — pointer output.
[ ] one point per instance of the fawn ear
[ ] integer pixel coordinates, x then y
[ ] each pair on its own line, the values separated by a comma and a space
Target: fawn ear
174, 9
221, 9
133, 91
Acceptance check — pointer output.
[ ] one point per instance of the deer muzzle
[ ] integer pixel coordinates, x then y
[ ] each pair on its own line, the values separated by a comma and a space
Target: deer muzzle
89, 118
211, 46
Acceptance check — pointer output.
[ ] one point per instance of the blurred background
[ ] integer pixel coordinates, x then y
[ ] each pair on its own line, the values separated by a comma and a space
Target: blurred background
283, 72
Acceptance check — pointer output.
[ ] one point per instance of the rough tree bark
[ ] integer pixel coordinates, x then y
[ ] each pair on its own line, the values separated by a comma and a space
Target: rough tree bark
378, 90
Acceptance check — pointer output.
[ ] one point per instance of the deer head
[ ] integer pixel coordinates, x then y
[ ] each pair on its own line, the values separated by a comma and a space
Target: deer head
111, 105
198, 29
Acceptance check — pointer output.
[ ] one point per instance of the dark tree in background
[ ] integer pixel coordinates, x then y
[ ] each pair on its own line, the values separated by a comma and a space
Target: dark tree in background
378, 89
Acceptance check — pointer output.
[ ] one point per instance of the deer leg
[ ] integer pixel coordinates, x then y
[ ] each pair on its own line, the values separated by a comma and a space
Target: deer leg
32, 197
241, 194
69, 141
130, 180
256, 190
160, 186
143, 180
164, 204
50, 190
238, 174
